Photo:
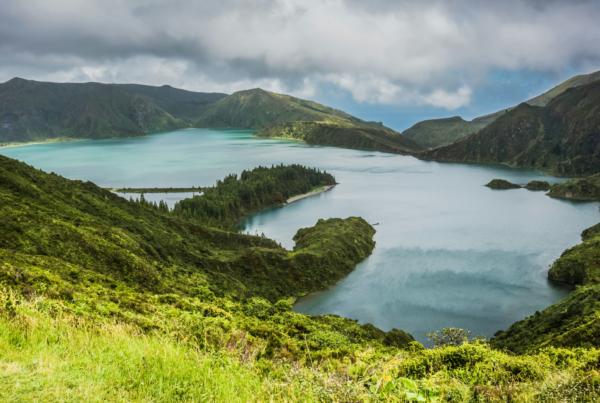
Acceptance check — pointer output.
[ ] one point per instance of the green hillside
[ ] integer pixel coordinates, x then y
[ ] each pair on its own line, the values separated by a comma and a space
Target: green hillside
259, 109
38, 111
440, 132
560, 138
342, 135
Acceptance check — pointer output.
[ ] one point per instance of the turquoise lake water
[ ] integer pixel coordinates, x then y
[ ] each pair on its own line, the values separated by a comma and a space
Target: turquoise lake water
450, 252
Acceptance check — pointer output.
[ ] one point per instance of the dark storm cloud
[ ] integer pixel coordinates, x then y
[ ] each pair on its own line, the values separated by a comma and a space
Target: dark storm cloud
381, 51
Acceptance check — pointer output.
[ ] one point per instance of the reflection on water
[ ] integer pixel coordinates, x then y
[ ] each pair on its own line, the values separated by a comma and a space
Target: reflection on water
450, 252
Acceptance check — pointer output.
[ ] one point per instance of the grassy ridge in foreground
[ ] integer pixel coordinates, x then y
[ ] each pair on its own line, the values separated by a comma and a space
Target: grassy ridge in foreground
342, 135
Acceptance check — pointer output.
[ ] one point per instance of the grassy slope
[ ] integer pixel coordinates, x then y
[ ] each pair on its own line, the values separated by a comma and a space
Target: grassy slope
440, 132
31, 110
342, 135
560, 138
259, 109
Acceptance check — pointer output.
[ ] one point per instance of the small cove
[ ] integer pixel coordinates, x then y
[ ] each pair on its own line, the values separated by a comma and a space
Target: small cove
450, 252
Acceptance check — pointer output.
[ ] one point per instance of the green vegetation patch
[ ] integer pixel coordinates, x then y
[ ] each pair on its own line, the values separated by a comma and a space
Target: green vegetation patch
538, 185
581, 263
502, 184
578, 189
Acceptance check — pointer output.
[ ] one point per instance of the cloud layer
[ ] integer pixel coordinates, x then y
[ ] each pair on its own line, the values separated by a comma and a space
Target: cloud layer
381, 51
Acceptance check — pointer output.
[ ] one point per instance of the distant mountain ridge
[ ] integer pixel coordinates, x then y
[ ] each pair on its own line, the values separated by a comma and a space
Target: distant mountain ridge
440, 132
562, 138
34, 111
41, 111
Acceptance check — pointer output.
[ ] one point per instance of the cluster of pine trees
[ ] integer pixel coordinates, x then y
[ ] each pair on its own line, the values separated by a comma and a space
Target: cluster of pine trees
234, 197
161, 207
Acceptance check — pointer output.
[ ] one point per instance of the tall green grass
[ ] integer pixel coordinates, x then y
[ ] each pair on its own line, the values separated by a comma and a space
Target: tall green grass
72, 360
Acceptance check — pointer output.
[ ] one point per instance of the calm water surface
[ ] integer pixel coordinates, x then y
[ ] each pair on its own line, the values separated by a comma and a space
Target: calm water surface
450, 252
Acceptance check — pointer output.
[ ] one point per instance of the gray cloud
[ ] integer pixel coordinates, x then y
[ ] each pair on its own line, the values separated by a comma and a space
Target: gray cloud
381, 51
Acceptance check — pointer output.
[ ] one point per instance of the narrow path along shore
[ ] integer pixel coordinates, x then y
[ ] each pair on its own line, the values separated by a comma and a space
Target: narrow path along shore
296, 198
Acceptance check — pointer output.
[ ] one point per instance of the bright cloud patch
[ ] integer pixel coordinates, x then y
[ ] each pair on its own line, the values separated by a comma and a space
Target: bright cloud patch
449, 100
381, 51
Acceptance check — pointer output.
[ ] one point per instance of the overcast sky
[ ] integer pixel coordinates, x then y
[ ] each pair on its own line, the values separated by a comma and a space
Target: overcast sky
391, 60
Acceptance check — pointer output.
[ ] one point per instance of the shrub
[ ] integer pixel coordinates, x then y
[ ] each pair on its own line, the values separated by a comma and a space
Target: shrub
283, 306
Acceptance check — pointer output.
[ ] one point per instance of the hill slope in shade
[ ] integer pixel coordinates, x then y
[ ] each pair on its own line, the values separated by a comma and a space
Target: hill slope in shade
32, 111
562, 138
260, 109
440, 132
342, 135
181, 104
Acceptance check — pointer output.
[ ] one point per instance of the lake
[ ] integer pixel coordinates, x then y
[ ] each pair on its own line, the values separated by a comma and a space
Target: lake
450, 252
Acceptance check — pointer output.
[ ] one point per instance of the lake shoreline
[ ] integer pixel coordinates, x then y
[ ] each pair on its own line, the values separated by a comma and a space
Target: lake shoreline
33, 143
293, 199
305, 195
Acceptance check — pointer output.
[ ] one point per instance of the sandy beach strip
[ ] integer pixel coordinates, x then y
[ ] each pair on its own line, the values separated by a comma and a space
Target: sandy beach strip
296, 198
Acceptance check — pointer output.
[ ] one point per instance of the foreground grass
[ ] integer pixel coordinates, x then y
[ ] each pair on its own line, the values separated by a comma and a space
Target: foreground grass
50, 356
69, 360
